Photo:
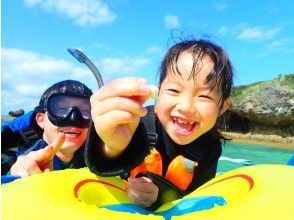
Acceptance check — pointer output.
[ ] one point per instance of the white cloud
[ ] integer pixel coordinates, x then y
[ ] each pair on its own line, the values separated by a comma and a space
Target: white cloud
82, 12
220, 6
258, 33
122, 65
26, 75
172, 21
223, 30
275, 46
154, 50
244, 32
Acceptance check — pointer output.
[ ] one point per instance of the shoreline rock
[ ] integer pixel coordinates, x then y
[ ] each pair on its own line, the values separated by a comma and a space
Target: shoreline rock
275, 141
265, 108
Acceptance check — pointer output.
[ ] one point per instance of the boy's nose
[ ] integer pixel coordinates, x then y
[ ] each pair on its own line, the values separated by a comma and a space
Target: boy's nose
186, 105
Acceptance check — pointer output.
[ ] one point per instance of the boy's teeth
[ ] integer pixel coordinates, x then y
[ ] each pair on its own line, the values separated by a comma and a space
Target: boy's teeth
184, 122
68, 132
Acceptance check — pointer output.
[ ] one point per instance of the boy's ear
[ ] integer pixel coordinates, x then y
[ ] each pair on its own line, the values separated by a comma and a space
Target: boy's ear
40, 118
227, 104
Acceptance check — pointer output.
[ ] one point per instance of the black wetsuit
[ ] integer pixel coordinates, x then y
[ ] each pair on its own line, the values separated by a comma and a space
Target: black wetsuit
206, 150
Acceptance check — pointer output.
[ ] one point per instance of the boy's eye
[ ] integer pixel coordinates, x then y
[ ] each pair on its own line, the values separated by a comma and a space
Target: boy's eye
173, 90
205, 97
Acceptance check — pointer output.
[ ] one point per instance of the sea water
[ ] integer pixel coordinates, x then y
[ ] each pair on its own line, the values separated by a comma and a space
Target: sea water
236, 155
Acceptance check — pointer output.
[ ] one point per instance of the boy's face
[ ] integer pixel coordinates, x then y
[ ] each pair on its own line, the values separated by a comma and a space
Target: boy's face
187, 107
74, 136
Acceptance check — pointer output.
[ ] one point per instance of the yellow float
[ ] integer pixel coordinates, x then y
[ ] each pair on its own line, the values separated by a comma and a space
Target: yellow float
253, 192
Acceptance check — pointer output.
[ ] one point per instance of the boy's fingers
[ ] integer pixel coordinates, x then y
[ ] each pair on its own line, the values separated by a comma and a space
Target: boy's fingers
124, 87
22, 172
43, 156
142, 184
57, 143
141, 99
25, 166
153, 93
34, 170
47, 170
138, 180
118, 103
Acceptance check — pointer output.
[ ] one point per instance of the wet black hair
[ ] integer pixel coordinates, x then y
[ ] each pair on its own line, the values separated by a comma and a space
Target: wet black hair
221, 75
68, 87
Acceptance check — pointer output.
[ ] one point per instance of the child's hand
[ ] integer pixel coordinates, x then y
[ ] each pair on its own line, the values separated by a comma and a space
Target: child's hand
37, 161
142, 191
116, 111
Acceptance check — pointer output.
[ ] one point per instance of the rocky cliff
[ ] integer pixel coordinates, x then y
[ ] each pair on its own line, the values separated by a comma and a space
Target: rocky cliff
263, 108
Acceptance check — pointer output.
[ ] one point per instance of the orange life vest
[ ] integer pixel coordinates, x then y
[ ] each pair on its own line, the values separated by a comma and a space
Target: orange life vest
180, 171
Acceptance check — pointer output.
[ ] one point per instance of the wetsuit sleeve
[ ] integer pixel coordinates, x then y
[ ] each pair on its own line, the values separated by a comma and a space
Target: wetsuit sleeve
131, 157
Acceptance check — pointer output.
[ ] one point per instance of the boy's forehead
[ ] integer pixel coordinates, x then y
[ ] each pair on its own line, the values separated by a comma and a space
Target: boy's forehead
189, 66
186, 61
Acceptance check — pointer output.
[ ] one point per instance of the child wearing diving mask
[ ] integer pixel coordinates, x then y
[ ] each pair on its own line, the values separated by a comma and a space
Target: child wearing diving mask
195, 82
64, 115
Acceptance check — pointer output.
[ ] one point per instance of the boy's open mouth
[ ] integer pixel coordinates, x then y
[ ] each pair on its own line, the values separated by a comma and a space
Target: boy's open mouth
182, 126
71, 131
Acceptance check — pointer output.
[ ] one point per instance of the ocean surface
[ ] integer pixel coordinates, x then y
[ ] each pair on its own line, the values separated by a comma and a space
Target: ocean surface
239, 154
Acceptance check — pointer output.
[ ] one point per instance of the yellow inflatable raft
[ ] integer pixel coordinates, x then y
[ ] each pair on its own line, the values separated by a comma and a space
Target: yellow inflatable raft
253, 192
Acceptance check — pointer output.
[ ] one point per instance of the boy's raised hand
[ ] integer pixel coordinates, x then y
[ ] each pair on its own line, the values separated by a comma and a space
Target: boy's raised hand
116, 111
37, 161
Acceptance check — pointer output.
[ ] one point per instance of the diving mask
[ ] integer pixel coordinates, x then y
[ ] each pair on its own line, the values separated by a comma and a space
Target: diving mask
64, 110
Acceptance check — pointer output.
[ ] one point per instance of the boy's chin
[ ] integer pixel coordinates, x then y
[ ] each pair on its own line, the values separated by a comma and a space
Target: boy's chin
180, 140
69, 147
66, 152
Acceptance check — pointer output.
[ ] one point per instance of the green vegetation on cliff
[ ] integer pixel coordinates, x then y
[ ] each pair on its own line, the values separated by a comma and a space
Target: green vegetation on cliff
265, 107
283, 82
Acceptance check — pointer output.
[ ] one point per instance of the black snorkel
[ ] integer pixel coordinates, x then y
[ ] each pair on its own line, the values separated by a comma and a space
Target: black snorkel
74, 116
82, 58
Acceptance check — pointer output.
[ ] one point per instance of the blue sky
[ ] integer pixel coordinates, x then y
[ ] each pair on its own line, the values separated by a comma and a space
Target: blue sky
130, 37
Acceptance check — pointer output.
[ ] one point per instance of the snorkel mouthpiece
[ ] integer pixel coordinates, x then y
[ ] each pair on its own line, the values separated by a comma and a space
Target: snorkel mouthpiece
77, 54
84, 59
